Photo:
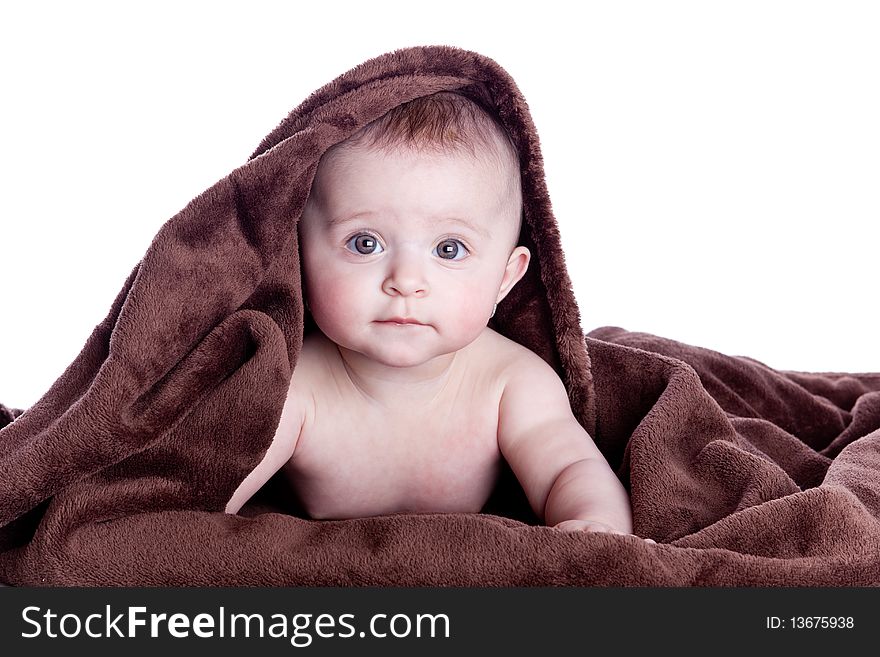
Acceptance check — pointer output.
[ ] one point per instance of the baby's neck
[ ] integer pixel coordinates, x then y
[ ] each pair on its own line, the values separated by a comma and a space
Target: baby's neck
395, 388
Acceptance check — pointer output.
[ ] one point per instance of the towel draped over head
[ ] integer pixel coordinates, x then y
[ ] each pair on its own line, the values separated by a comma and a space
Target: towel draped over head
120, 473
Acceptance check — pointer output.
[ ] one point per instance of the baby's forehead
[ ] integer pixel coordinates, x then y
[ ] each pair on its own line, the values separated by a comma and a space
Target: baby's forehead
488, 166
488, 195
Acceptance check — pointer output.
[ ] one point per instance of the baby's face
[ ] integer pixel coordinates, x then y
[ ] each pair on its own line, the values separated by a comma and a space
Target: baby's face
411, 235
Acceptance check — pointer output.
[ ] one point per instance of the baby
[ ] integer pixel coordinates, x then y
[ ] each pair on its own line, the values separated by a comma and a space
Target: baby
404, 400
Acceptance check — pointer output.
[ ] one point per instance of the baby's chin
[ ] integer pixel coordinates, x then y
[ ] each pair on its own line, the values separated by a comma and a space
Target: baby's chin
403, 355
402, 351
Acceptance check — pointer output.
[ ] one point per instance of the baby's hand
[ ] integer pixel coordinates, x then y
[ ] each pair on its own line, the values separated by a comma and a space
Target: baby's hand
592, 526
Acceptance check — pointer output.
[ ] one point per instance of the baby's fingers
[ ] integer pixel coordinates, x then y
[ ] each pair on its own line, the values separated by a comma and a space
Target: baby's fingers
593, 526
585, 526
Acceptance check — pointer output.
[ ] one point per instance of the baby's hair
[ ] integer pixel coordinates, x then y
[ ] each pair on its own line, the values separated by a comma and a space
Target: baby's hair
446, 123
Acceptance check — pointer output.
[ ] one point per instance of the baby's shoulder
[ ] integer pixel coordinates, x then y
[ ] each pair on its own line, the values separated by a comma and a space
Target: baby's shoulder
512, 357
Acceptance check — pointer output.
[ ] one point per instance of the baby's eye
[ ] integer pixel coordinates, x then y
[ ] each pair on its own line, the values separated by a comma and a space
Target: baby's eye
364, 243
449, 248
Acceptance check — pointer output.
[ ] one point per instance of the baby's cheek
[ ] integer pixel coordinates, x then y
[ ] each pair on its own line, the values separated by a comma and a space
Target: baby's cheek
340, 303
326, 296
471, 316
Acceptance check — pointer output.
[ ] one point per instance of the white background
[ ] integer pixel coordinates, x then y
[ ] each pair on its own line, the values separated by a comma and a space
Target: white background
714, 167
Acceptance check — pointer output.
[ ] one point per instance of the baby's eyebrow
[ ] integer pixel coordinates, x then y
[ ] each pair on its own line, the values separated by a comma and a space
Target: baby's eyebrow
339, 221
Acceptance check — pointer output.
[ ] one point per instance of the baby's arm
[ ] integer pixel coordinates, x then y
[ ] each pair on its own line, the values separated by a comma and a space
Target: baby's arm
566, 478
280, 450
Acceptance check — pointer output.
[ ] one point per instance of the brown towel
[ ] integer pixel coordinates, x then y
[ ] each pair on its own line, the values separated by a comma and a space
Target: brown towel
119, 474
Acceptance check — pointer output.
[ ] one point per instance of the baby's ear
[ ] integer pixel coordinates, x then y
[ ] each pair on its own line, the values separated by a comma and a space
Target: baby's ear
517, 264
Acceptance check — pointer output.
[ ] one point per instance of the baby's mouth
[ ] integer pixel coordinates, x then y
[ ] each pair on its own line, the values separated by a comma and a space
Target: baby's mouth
400, 321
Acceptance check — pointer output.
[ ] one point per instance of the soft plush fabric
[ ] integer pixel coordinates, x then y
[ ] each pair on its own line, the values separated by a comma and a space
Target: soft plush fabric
120, 473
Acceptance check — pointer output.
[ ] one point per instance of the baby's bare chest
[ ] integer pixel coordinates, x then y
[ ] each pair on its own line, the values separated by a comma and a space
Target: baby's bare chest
355, 462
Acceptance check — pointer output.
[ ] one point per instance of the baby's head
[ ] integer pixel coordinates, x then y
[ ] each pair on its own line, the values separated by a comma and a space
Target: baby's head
417, 215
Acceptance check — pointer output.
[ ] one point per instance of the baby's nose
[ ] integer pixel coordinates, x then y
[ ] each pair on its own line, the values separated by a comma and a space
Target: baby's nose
406, 275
